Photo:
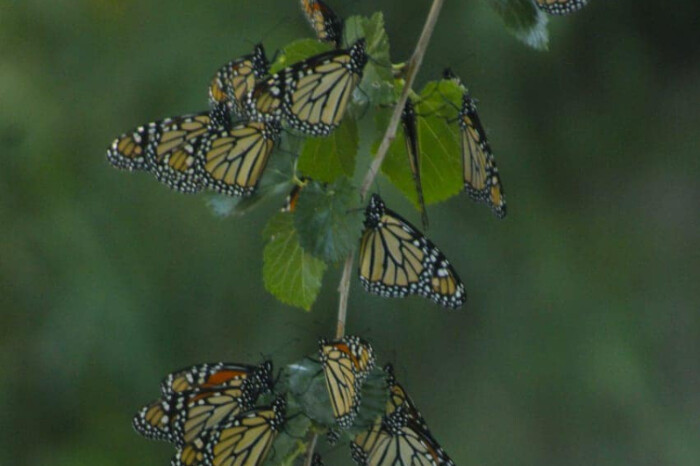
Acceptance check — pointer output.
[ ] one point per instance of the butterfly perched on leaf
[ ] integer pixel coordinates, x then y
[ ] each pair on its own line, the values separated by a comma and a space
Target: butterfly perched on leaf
325, 23
232, 82
200, 397
482, 180
560, 7
400, 437
232, 161
244, 440
410, 131
167, 148
312, 95
397, 260
346, 363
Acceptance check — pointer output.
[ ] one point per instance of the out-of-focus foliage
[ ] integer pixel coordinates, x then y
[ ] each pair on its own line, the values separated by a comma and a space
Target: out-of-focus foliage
578, 345
328, 220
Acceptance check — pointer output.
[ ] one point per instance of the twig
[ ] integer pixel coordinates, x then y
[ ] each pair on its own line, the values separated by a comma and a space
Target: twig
344, 292
310, 451
413, 66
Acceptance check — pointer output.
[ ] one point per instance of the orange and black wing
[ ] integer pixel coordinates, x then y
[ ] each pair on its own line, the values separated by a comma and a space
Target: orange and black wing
172, 150
397, 260
325, 23
233, 161
312, 95
233, 82
346, 363
481, 178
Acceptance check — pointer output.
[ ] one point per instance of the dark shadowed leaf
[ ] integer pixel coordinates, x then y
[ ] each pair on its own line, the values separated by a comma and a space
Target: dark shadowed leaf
328, 219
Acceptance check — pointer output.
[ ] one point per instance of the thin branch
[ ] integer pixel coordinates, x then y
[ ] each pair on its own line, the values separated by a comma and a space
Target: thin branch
344, 292
310, 451
413, 67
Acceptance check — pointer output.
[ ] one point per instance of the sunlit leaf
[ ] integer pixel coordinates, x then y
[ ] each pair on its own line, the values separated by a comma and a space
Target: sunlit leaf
290, 274
438, 142
525, 21
328, 220
327, 158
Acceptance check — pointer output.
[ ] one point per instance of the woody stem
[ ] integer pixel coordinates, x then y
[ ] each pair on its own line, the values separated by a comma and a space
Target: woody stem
414, 65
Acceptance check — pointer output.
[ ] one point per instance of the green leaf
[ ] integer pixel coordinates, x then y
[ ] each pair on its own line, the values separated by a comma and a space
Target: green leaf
327, 158
297, 51
439, 144
328, 220
289, 273
377, 82
525, 21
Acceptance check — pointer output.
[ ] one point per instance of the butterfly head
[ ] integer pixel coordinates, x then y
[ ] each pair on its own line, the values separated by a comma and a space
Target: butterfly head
374, 211
358, 54
468, 104
409, 110
447, 73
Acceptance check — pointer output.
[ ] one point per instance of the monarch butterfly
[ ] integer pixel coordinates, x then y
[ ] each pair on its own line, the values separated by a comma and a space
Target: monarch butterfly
481, 179
166, 147
400, 437
311, 95
561, 7
172, 149
325, 23
243, 441
200, 397
232, 161
218, 374
232, 82
346, 363
410, 131
397, 260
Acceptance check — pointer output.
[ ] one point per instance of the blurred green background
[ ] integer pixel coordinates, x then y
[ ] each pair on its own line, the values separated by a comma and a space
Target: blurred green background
581, 340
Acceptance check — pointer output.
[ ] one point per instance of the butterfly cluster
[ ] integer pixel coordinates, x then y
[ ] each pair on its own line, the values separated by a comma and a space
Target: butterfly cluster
398, 436
226, 149
210, 412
